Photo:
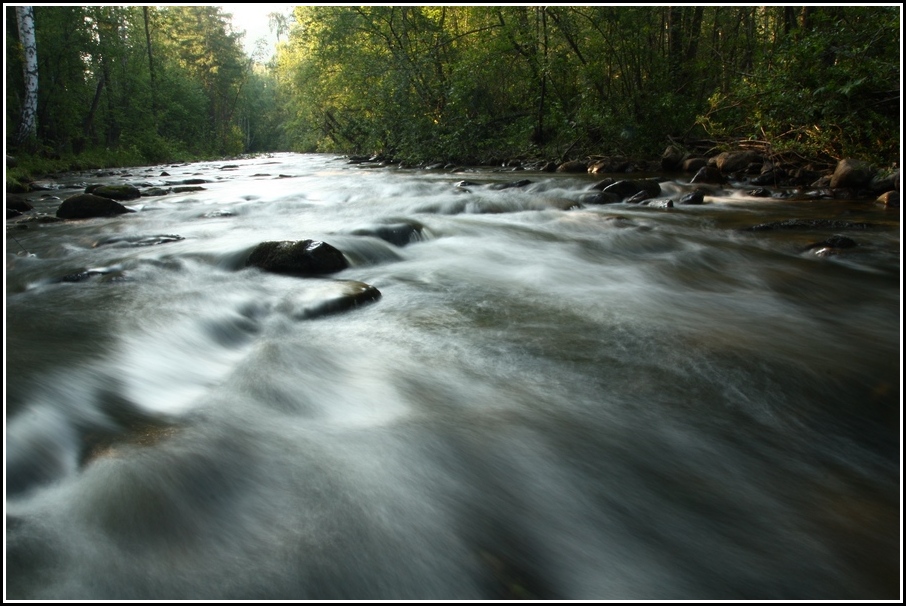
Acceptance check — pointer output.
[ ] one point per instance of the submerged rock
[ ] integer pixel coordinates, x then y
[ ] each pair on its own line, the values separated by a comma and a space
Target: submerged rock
324, 297
217, 213
510, 185
831, 246
138, 240
109, 274
658, 203
696, 197
599, 197
39, 218
835, 242
302, 258
398, 234
808, 224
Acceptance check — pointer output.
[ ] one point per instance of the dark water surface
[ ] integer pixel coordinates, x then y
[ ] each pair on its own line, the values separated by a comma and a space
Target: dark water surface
548, 400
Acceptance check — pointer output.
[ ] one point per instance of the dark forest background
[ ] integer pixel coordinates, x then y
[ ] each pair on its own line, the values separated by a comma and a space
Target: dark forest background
137, 85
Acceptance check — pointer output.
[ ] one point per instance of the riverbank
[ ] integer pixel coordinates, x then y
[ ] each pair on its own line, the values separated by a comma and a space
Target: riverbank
744, 167
762, 172
22, 171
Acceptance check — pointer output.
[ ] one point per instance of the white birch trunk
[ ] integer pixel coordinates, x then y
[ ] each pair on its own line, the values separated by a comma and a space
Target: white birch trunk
28, 125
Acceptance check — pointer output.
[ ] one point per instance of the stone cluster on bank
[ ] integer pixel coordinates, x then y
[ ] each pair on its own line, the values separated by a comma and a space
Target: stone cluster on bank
849, 178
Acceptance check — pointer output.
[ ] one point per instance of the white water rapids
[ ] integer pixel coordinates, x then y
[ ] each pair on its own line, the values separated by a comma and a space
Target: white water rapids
548, 400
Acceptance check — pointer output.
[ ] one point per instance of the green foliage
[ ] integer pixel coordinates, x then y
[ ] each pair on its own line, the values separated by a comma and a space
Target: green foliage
479, 82
462, 83
139, 83
830, 89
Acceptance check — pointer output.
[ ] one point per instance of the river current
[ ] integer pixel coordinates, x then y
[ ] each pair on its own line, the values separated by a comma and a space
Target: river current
549, 400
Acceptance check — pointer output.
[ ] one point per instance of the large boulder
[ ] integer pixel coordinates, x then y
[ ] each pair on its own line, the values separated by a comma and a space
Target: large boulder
851, 173
629, 187
299, 258
672, 158
709, 174
693, 165
731, 162
18, 203
84, 206
574, 166
616, 164
890, 199
880, 182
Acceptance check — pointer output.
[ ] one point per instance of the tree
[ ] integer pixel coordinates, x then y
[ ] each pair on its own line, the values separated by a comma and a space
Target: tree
28, 128
201, 41
147, 20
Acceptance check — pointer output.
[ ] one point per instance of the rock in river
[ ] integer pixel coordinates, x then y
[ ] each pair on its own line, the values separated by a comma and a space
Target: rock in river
398, 234
300, 258
115, 192
83, 206
323, 297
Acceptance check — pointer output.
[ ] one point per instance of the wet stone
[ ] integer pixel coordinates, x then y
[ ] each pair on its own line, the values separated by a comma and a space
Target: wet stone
83, 206
303, 257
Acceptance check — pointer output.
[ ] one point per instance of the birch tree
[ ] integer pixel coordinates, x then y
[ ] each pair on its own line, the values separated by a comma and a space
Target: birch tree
28, 125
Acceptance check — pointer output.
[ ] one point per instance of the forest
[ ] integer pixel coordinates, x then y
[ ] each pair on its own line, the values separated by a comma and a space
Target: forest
129, 85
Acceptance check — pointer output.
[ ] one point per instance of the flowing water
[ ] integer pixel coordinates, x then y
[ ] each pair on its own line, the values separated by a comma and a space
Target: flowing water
548, 400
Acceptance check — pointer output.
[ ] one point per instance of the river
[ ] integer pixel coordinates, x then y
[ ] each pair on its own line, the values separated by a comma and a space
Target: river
549, 400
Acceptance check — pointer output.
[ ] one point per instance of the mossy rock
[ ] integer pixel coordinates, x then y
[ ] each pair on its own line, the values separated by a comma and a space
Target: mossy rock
116, 192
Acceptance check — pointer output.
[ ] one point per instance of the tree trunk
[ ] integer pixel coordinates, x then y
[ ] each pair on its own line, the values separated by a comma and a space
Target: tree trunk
88, 124
28, 124
538, 136
694, 34
674, 40
150, 67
